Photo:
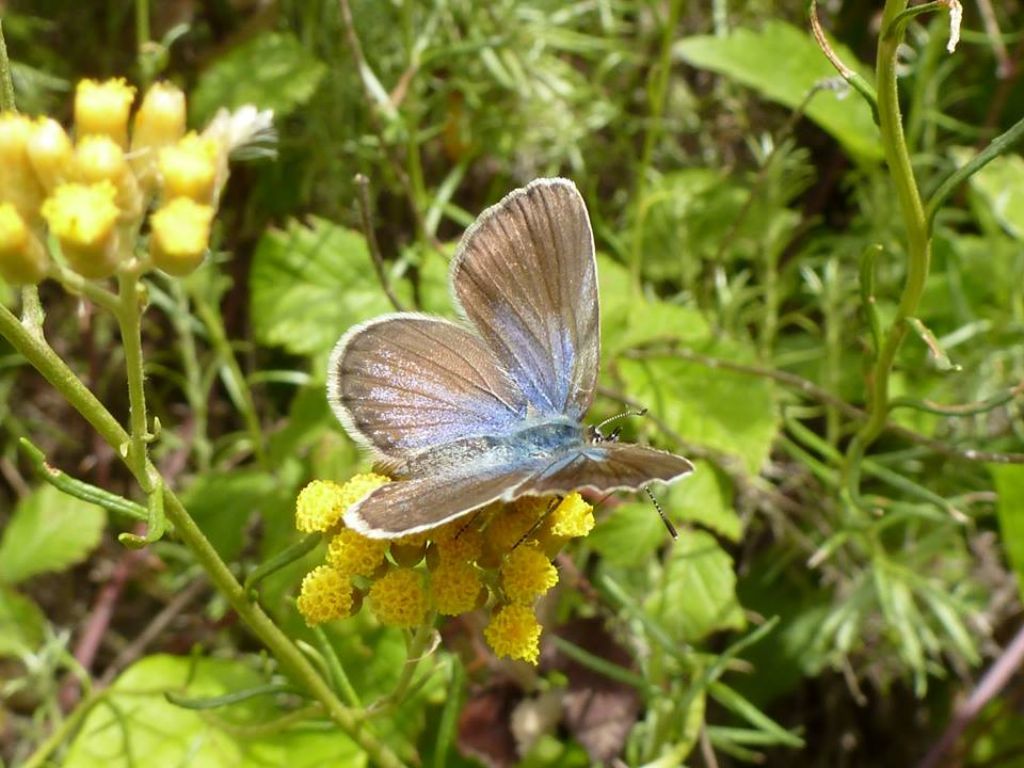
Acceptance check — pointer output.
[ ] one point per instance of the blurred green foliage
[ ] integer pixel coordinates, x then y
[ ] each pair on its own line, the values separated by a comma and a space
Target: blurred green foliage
786, 624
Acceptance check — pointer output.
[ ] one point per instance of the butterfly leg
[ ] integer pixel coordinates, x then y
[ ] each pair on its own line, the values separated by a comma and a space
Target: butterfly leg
540, 520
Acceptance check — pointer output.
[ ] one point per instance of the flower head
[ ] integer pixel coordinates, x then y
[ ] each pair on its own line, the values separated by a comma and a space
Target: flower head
161, 118
321, 504
103, 107
455, 587
180, 235
83, 217
459, 543
50, 153
510, 523
100, 158
572, 518
513, 632
527, 574
325, 594
355, 554
398, 598
18, 182
189, 168
22, 257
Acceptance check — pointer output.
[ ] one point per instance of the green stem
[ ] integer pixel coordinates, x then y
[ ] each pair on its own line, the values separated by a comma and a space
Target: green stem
336, 668
414, 655
237, 385
63, 732
43, 358
6, 84
129, 320
656, 98
897, 158
194, 389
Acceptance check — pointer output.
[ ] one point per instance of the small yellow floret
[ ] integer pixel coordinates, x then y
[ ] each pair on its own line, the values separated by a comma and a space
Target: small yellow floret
82, 216
455, 587
180, 235
510, 523
355, 554
319, 506
18, 182
50, 153
527, 574
572, 518
465, 546
514, 632
189, 168
103, 107
161, 117
22, 257
325, 595
398, 598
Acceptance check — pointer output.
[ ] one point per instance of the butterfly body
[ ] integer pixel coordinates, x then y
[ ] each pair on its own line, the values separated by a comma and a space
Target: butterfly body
464, 414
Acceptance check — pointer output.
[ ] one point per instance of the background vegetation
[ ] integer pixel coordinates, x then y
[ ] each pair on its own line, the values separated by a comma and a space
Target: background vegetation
821, 607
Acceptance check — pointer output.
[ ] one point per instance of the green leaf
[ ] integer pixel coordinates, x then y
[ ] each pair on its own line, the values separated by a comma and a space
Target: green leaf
628, 320
629, 535
730, 412
1000, 184
783, 64
21, 624
272, 71
49, 531
705, 497
697, 595
222, 503
311, 283
136, 725
1010, 510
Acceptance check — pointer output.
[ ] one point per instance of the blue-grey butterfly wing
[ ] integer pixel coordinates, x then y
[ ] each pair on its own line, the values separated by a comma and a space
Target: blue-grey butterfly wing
605, 467
526, 277
419, 504
405, 382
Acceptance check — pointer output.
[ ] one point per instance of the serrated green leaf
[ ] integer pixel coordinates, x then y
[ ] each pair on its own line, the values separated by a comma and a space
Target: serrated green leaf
311, 283
21, 624
697, 594
783, 63
1010, 510
138, 725
730, 412
49, 531
272, 71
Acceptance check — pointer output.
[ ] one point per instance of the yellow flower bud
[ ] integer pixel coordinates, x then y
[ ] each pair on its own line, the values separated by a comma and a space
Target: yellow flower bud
22, 257
98, 158
83, 217
50, 153
103, 107
189, 168
180, 235
325, 595
18, 182
398, 598
513, 632
159, 122
321, 504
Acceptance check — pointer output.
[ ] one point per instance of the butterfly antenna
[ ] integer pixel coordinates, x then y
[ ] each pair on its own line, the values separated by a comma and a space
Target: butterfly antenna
623, 415
668, 523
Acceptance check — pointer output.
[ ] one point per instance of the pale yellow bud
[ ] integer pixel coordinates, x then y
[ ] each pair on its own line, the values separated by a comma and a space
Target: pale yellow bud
159, 122
22, 257
189, 168
99, 158
49, 152
180, 235
18, 182
83, 217
103, 107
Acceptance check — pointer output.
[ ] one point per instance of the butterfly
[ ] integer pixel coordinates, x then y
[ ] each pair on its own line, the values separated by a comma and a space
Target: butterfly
462, 414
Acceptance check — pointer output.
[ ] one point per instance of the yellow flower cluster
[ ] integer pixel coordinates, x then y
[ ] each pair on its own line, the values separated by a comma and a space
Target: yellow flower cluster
92, 192
499, 558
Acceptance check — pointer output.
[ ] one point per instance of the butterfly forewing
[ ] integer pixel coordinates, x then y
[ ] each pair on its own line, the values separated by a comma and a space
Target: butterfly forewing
526, 277
605, 467
405, 383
